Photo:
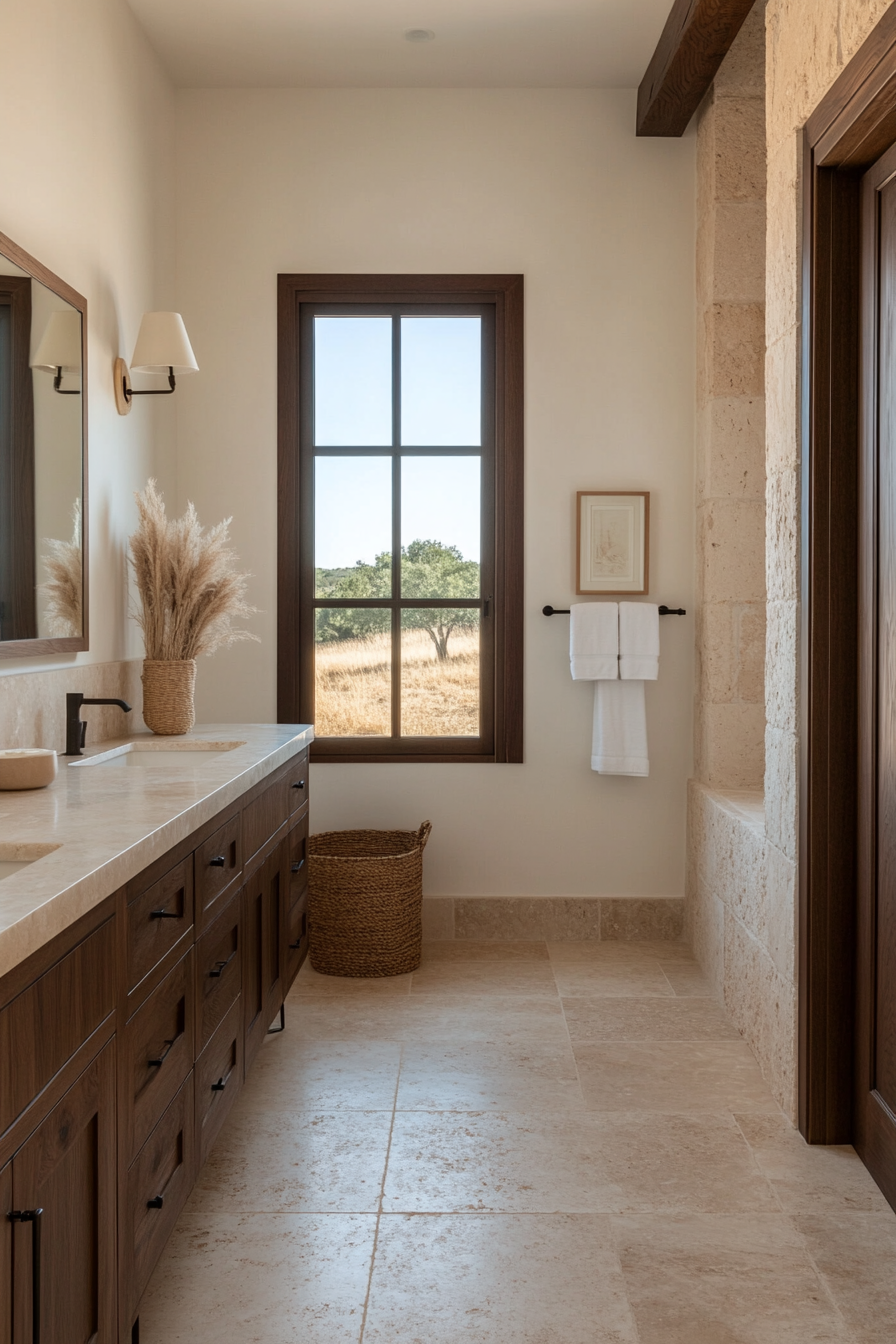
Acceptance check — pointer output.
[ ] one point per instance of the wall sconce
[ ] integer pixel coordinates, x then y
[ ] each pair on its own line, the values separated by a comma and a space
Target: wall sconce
60, 349
163, 347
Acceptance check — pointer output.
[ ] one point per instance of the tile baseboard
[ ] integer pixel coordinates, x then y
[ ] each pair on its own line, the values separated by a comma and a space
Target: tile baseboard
558, 919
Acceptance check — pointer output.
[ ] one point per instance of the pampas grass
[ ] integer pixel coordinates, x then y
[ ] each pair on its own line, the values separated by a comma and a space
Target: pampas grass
190, 591
62, 590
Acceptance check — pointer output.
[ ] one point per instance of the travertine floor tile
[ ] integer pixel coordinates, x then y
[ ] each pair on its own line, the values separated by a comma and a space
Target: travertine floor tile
713, 1279
714, 1076
598, 978
429, 1017
651, 1019
308, 981
293, 1074
648, 950
497, 1280
519, 1075
686, 978
856, 1254
306, 1162
527, 1163
485, 978
260, 1279
808, 1179
465, 949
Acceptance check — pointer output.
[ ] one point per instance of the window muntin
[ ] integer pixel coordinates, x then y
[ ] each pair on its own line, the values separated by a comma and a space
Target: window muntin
399, 576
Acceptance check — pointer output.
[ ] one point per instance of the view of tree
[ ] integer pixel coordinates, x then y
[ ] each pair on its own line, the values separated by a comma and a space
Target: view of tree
428, 569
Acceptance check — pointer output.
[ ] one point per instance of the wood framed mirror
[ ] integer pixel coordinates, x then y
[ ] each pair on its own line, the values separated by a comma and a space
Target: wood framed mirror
43, 460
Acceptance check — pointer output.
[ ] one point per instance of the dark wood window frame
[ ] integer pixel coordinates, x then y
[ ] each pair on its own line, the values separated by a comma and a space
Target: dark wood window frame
854, 124
500, 297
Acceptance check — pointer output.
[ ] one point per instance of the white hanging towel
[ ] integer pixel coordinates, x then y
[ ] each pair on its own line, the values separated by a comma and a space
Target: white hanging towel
594, 641
639, 641
619, 738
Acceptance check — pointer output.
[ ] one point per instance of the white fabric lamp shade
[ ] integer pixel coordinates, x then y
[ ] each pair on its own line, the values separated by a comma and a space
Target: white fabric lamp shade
163, 344
60, 346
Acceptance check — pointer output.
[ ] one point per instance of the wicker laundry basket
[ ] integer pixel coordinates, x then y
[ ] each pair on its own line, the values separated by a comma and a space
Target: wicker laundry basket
365, 898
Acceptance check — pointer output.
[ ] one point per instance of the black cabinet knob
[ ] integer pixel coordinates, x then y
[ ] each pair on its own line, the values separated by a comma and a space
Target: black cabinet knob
155, 1203
217, 862
297, 867
164, 914
300, 785
220, 1085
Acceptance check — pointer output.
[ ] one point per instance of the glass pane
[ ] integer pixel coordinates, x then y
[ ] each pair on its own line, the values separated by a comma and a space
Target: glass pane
441, 381
440, 673
353, 526
352, 382
440, 526
352, 672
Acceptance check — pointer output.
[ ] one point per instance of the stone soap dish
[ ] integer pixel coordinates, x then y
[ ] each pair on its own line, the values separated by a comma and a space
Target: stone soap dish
27, 768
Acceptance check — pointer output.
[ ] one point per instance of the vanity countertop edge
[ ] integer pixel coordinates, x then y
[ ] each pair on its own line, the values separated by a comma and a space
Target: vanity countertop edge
111, 824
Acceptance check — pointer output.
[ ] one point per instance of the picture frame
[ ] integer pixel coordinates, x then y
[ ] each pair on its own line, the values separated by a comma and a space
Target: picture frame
612, 542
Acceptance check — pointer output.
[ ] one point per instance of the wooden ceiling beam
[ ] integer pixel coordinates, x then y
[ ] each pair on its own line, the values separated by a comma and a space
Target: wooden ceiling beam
695, 41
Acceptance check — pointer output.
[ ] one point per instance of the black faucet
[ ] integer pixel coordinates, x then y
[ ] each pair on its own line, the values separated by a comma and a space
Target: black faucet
75, 728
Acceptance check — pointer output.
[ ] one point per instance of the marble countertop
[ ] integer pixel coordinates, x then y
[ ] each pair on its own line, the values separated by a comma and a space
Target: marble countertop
96, 827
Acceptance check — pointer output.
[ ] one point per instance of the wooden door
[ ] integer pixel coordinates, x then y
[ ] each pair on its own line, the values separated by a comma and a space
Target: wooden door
6, 1207
67, 1170
263, 899
875, 1076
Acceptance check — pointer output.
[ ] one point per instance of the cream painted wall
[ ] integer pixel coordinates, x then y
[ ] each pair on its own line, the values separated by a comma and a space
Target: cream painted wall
549, 183
87, 187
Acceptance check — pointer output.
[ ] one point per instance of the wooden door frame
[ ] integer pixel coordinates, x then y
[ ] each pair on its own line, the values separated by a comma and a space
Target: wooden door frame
854, 124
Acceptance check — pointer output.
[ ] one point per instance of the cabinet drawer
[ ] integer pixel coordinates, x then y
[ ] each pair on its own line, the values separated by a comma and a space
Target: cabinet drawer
158, 1183
297, 783
43, 1027
263, 817
297, 938
218, 970
158, 919
218, 864
219, 1077
158, 1051
298, 860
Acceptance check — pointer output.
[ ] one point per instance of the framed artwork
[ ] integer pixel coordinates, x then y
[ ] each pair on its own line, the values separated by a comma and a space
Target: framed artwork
612, 536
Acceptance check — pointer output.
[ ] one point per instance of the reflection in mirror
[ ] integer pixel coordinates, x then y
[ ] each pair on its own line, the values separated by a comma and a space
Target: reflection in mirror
41, 462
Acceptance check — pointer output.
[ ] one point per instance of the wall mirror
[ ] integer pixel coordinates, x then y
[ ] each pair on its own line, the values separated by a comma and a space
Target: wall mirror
43, 459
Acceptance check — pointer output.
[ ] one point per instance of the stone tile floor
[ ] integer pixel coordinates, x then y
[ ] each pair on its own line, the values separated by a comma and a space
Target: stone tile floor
521, 1144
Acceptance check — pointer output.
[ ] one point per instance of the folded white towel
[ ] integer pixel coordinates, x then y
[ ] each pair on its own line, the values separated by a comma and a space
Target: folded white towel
619, 740
639, 641
594, 641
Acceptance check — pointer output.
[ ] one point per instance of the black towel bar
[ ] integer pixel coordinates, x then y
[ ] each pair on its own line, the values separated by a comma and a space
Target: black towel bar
564, 611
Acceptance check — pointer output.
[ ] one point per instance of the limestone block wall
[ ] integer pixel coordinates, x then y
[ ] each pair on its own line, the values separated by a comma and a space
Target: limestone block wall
730, 711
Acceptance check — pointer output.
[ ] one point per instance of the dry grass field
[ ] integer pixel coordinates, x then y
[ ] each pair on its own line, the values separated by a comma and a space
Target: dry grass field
353, 690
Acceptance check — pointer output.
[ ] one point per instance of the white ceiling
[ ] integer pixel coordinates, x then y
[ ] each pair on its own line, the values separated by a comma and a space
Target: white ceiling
360, 43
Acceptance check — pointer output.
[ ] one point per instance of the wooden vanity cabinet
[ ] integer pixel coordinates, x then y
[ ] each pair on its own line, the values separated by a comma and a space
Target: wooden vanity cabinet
123, 1045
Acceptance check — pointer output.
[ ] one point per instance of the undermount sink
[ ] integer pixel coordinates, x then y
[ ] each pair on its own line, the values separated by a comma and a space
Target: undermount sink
14, 857
162, 755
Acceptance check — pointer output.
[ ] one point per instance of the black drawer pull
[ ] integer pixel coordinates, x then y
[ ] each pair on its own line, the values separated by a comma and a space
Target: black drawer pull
165, 914
218, 861
297, 867
300, 785
157, 1063
155, 1203
295, 946
32, 1216
220, 1085
221, 966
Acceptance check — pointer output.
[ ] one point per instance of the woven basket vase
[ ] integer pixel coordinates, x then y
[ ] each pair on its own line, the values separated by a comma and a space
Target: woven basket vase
365, 901
168, 696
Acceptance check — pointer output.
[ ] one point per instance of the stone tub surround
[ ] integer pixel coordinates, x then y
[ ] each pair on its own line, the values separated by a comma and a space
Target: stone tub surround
109, 824
557, 919
32, 704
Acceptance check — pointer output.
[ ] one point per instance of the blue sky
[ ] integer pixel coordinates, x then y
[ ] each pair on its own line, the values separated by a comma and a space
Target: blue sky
441, 391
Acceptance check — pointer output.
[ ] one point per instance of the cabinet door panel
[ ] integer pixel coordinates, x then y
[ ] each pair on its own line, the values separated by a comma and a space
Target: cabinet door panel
218, 864
159, 1051
67, 1169
158, 919
263, 915
218, 971
5, 1255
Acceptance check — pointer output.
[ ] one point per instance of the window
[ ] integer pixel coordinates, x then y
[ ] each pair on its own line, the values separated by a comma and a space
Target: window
400, 515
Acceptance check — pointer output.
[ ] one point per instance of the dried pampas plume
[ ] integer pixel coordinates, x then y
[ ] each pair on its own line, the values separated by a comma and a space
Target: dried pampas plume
62, 590
190, 591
